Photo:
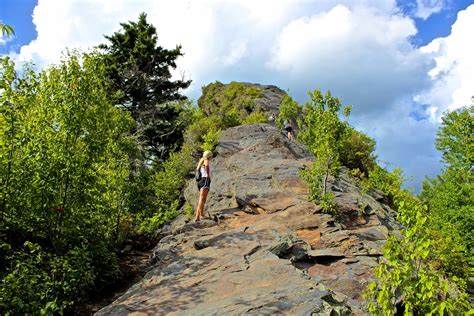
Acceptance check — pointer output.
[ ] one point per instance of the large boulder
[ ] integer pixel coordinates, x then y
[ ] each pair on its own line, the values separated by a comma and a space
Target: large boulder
268, 249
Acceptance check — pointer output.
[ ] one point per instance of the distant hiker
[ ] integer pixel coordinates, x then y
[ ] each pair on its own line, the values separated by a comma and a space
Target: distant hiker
203, 177
288, 129
272, 118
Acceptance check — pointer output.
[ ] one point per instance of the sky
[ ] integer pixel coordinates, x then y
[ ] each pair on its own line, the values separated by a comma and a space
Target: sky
400, 63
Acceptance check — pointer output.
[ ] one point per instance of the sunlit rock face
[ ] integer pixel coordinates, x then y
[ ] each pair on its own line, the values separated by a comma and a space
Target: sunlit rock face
265, 249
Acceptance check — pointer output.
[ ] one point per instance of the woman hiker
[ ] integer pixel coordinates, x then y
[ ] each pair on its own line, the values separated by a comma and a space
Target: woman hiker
204, 183
288, 129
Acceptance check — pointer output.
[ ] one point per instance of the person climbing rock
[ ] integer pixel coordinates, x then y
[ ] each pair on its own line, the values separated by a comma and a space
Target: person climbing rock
272, 118
204, 184
288, 129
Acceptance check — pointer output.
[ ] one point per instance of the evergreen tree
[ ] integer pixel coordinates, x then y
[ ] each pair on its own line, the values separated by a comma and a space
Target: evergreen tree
140, 72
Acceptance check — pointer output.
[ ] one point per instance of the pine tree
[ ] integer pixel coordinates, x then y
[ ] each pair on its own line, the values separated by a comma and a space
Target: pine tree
140, 73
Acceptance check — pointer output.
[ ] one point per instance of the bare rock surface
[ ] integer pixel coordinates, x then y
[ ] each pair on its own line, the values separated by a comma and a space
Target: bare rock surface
266, 249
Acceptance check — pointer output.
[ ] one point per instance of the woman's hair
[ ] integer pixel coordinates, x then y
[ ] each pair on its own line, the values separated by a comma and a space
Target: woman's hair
206, 155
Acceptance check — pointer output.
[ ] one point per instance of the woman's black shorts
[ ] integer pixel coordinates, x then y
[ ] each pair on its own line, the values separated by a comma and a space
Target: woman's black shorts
289, 129
204, 183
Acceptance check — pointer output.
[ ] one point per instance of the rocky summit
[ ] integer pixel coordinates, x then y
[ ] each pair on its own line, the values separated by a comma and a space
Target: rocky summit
264, 249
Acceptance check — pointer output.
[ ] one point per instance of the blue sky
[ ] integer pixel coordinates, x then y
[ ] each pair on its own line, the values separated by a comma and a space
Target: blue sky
437, 24
18, 14
400, 64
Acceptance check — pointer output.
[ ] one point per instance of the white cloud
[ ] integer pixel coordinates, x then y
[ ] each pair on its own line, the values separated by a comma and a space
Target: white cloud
73, 24
359, 54
425, 8
453, 75
359, 49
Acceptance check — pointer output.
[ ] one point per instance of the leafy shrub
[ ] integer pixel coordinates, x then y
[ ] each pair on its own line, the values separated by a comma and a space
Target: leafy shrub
290, 111
357, 151
328, 204
232, 102
231, 118
322, 132
388, 182
211, 139
168, 183
408, 272
40, 282
449, 196
188, 211
255, 118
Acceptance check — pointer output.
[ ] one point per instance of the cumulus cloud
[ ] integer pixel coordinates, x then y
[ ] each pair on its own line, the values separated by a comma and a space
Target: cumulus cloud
453, 75
73, 24
359, 54
359, 49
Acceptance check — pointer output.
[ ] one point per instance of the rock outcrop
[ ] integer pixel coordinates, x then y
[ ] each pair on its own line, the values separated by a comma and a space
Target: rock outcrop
264, 249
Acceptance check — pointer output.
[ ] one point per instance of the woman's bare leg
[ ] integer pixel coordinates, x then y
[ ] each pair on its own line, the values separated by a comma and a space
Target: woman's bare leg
203, 195
198, 211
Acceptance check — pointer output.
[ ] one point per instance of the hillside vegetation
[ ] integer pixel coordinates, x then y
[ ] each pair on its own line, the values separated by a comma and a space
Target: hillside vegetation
88, 162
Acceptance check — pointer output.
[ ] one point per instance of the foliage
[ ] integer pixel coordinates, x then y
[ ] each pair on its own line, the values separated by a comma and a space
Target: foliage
140, 73
62, 145
456, 138
255, 118
422, 270
449, 195
230, 103
290, 111
38, 278
328, 204
357, 151
322, 132
196, 131
167, 183
211, 139
6, 30
160, 129
408, 275
389, 182
188, 211
451, 206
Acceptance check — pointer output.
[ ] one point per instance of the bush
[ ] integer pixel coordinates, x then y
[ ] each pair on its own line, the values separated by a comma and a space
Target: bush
232, 103
388, 182
188, 211
289, 111
168, 183
408, 273
211, 139
40, 282
357, 151
255, 118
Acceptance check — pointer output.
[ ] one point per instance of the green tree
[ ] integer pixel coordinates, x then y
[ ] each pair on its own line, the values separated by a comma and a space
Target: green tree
424, 271
322, 131
449, 195
140, 72
456, 138
63, 169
